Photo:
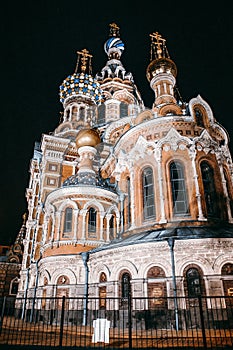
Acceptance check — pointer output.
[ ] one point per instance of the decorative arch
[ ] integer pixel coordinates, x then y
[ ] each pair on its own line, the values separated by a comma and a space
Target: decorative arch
124, 264
204, 107
63, 272
143, 116
170, 109
67, 203
95, 204
44, 276
194, 285
156, 287
14, 284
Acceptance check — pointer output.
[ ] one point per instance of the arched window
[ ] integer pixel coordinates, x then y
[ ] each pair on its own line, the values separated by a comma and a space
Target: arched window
148, 193
199, 117
157, 290
125, 286
102, 290
193, 282
179, 195
112, 227
92, 221
14, 286
68, 220
209, 189
124, 289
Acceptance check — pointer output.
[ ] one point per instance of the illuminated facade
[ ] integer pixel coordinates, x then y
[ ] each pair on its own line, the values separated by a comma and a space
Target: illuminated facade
118, 191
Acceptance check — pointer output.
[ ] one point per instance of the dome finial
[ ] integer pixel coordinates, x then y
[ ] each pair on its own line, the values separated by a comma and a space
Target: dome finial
114, 30
158, 46
85, 66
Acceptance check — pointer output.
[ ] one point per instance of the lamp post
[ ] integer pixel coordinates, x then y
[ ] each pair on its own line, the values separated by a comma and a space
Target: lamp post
171, 242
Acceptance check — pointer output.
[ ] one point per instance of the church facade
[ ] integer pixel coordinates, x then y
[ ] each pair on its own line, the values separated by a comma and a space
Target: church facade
126, 196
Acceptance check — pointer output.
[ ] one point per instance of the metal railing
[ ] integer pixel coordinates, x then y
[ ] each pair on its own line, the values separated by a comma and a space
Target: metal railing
129, 323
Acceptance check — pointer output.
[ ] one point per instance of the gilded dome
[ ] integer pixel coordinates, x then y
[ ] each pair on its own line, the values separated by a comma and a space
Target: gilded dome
160, 65
87, 137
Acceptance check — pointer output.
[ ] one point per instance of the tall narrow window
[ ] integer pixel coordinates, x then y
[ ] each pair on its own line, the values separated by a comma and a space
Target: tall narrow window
179, 195
193, 282
92, 221
125, 285
68, 220
112, 227
148, 193
199, 117
209, 189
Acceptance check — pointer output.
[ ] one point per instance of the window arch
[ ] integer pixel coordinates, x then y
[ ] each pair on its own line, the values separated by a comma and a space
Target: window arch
14, 286
112, 227
199, 116
92, 218
210, 194
102, 290
125, 285
178, 188
157, 291
193, 282
68, 220
125, 288
194, 285
148, 193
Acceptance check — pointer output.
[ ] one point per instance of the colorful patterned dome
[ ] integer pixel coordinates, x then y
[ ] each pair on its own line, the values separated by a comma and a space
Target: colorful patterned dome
114, 44
81, 84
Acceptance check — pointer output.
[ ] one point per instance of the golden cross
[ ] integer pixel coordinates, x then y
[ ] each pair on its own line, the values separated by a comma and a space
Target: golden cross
114, 29
158, 42
84, 57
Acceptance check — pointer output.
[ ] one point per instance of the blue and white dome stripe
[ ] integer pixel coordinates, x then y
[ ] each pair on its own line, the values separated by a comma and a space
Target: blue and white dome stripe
113, 44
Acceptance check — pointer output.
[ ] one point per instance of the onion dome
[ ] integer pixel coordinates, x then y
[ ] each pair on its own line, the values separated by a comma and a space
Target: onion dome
160, 60
81, 84
87, 137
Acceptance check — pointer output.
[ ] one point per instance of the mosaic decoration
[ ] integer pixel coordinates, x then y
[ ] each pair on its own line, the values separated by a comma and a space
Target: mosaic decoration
81, 84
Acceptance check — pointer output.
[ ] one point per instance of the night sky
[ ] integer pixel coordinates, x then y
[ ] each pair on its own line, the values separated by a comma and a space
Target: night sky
39, 41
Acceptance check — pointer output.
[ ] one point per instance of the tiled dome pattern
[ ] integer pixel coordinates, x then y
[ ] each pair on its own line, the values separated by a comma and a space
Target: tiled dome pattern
81, 84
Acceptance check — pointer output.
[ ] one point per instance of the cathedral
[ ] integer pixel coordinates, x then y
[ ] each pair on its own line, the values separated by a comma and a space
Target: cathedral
124, 196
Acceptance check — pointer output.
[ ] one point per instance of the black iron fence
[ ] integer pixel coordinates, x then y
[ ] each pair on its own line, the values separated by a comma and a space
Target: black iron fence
129, 323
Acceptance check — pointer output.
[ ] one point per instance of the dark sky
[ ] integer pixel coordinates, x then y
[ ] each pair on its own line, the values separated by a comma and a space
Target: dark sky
39, 40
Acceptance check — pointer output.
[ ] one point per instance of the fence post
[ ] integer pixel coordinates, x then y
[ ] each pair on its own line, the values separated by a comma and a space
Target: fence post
130, 317
2, 313
202, 322
62, 320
